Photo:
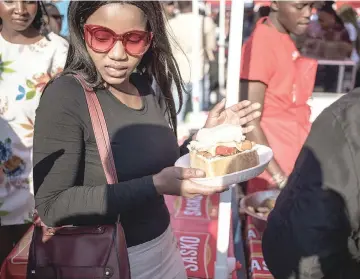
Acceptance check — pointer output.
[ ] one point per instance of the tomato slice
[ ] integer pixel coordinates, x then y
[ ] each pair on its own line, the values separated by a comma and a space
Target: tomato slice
225, 151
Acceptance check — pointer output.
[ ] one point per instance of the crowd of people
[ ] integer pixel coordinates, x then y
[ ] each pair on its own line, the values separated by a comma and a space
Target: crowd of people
120, 50
136, 56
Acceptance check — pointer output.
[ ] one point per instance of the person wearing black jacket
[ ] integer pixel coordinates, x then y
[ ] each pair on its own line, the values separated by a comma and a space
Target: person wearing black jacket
314, 229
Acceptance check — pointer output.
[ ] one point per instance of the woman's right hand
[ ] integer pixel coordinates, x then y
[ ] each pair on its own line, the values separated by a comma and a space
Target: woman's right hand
176, 182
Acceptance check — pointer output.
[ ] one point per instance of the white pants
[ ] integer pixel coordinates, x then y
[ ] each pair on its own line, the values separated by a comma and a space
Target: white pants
157, 259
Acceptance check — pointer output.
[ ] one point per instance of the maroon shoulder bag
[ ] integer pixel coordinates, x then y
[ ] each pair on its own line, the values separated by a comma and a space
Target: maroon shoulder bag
71, 252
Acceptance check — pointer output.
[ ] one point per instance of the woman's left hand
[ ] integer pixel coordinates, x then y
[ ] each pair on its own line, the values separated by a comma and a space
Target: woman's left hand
239, 114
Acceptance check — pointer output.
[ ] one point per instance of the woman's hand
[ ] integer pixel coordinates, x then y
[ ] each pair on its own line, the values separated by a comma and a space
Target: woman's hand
239, 114
176, 182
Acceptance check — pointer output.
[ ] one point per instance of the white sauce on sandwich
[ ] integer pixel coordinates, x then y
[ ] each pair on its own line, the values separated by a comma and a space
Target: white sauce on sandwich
207, 139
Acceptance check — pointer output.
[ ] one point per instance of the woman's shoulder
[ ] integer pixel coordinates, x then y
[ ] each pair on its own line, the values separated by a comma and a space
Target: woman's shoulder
65, 91
56, 42
57, 39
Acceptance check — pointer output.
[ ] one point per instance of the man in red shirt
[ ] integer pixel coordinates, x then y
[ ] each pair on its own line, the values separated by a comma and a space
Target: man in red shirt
275, 75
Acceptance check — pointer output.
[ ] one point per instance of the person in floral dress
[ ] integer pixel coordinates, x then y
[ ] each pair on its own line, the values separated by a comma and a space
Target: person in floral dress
29, 58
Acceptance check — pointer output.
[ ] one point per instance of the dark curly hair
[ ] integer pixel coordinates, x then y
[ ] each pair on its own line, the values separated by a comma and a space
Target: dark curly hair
158, 62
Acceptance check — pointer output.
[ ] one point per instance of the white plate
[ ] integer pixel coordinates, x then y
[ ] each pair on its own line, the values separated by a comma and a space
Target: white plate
265, 155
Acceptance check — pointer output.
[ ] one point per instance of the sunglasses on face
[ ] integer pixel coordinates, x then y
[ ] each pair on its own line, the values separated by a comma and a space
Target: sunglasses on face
102, 39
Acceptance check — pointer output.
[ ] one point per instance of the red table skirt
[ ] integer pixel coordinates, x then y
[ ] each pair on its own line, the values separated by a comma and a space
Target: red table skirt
257, 265
195, 223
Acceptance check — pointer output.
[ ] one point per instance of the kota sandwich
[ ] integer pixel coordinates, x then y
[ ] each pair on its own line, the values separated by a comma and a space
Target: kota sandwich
222, 150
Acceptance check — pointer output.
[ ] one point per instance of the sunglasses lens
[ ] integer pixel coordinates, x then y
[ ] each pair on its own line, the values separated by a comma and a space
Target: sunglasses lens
101, 40
136, 42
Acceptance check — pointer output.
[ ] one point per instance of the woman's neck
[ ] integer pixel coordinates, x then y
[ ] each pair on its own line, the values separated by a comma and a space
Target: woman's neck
127, 94
275, 22
28, 36
125, 88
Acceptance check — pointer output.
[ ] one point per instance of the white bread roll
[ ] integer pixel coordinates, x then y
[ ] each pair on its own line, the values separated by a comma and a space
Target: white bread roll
219, 166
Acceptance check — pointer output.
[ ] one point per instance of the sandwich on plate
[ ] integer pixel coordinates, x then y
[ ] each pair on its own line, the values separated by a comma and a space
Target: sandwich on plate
222, 150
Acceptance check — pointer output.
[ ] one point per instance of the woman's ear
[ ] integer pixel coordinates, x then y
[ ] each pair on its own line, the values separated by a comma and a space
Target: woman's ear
274, 6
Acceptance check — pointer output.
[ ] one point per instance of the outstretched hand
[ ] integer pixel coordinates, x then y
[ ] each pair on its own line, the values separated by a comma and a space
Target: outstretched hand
239, 114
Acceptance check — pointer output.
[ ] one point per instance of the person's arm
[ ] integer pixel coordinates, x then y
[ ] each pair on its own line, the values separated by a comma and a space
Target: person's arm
322, 195
254, 91
59, 58
210, 38
60, 133
347, 42
352, 33
257, 68
333, 45
318, 46
337, 49
56, 66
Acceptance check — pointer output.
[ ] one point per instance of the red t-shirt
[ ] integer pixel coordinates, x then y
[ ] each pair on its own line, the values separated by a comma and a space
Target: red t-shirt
271, 57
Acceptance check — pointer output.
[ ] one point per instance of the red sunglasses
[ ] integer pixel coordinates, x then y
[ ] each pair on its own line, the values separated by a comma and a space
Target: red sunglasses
102, 39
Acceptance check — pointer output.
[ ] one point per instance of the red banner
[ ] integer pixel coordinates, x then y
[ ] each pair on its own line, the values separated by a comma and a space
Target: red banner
196, 250
198, 208
257, 265
195, 223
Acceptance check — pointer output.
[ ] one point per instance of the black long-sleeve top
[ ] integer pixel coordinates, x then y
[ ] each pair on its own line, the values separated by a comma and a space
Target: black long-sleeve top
69, 181
314, 229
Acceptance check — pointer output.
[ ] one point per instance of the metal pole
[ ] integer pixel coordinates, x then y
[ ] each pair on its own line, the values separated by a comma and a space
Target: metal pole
221, 42
195, 63
234, 62
234, 57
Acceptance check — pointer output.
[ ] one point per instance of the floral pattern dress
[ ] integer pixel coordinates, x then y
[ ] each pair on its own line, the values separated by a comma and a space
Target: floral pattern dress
24, 72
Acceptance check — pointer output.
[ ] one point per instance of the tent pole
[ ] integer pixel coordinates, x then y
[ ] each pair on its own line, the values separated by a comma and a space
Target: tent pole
195, 63
232, 89
222, 38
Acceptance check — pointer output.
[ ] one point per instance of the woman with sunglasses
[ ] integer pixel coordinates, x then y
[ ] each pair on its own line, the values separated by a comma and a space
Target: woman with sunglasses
118, 48
29, 57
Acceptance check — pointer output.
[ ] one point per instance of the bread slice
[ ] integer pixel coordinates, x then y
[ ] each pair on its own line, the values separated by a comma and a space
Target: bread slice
219, 166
